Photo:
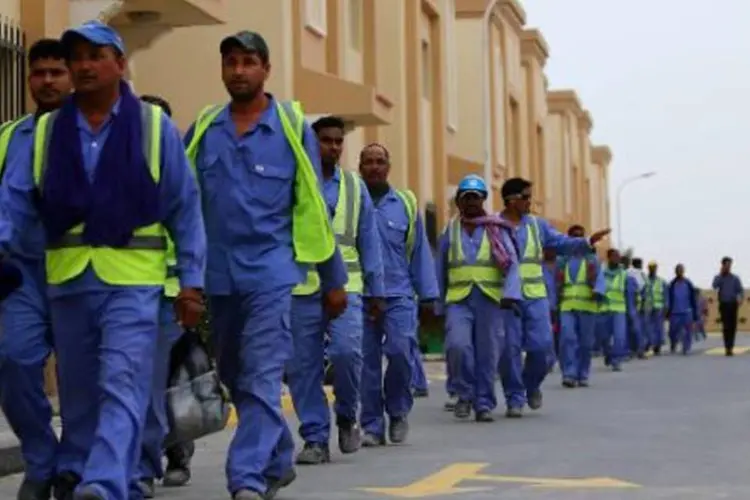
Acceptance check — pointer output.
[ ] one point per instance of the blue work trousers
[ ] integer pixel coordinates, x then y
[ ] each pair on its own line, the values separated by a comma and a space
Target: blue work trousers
577, 333
418, 377
474, 341
305, 370
156, 427
24, 349
105, 346
253, 343
391, 336
613, 334
636, 335
655, 320
531, 332
681, 331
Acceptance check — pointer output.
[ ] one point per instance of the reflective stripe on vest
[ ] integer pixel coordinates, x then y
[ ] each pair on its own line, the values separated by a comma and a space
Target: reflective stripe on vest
532, 274
345, 227
312, 233
463, 276
143, 260
576, 293
6, 134
616, 292
409, 200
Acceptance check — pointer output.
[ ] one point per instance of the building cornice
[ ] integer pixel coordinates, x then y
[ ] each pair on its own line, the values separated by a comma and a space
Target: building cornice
534, 46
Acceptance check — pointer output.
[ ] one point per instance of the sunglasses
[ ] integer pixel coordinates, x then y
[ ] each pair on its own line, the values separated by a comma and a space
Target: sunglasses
524, 197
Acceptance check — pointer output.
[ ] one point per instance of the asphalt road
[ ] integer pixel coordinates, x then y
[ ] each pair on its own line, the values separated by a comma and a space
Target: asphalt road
665, 428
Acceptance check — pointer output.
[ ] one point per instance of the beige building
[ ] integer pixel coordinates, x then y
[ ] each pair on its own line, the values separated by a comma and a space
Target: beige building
447, 88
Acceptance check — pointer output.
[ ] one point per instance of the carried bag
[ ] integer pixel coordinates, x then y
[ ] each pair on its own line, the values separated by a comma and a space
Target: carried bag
197, 403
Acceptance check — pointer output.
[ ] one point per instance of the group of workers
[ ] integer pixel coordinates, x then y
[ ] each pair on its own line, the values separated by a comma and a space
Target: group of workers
124, 233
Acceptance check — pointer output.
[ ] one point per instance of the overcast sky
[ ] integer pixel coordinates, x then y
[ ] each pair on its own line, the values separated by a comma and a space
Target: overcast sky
668, 85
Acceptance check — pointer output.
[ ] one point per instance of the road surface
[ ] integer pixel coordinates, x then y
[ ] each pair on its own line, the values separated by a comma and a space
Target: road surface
665, 428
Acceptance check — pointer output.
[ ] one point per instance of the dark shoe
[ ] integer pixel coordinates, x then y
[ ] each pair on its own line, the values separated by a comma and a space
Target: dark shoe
616, 368
535, 400
175, 477
514, 413
421, 393
642, 355
398, 430
484, 416
147, 487
247, 495
569, 383
372, 441
450, 404
276, 484
583, 383
88, 493
34, 490
314, 454
729, 353
65, 484
462, 410
350, 437
657, 351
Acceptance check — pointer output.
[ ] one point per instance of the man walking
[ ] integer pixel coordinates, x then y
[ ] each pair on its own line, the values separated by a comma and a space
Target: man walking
729, 288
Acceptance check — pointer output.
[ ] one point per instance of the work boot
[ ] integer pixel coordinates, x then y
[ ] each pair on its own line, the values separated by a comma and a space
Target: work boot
65, 484
616, 368
535, 400
421, 393
729, 353
314, 454
514, 412
462, 410
276, 484
34, 490
398, 430
247, 495
583, 383
372, 441
178, 464
569, 383
88, 493
350, 437
146, 485
450, 405
657, 351
642, 355
175, 477
484, 416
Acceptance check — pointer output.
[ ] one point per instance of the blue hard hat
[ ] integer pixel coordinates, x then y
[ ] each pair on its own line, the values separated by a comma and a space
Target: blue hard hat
472, 183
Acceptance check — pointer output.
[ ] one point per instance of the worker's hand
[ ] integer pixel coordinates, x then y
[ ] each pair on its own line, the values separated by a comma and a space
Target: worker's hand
510, 305
335, 302
374, 308
189, 307
598, 235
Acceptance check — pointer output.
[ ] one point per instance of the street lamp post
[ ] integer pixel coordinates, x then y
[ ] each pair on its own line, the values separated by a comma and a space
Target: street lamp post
622, 185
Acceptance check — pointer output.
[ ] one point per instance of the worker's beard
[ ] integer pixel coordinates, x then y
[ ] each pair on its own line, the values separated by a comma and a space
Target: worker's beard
247, 95
378, 189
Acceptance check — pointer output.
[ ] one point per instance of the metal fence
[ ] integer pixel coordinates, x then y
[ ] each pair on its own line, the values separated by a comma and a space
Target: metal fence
12, 70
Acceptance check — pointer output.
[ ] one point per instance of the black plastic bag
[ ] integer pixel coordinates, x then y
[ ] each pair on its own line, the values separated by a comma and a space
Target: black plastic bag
197, 403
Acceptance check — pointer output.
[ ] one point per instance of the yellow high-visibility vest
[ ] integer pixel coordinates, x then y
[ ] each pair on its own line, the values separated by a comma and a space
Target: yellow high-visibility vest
312, 233
616, 291
655, 293
576, 293
143, 261
345, 227
463, 276
6, 134
530, 270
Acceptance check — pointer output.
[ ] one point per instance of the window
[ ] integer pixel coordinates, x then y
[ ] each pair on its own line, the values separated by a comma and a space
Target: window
355, 25
451, 65
316, 15
426, 71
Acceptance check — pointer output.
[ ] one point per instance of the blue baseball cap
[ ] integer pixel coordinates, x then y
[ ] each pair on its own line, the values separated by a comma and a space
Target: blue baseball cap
95, 32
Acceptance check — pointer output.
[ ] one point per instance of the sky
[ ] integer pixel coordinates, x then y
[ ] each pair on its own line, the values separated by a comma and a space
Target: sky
668, 85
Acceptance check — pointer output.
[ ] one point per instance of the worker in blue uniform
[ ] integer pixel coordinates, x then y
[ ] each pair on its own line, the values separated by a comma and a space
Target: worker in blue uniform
657, 303
682, 311
267, 224
355, 225
477, 267
109, 179
583, 289
639, 339
551, 271
25, 341
532, 333
410, 291
619, 303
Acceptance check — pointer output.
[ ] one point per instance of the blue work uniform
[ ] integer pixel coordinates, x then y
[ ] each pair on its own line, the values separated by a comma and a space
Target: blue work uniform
407, 278
655, 315
613, 325
247, 189
682, 314
105, 336
532, 332
578, 324
26, 336
475, 327
550, 270
309, 324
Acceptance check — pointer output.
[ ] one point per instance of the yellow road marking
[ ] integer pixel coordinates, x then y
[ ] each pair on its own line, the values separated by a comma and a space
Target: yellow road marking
719, 351
286, 405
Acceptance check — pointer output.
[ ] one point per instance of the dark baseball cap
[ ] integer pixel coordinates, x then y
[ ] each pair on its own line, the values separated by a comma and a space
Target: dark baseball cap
246, 40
